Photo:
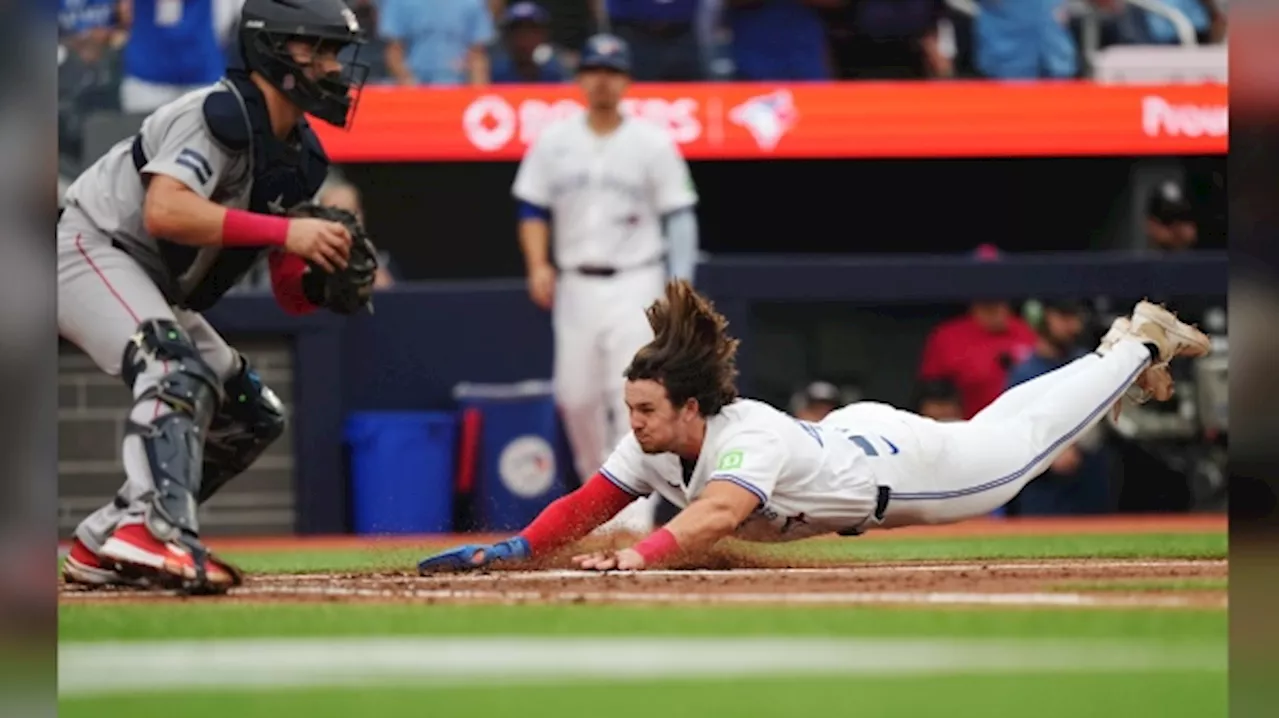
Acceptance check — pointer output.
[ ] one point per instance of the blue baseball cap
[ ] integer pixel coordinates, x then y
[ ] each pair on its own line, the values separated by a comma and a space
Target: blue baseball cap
607, 52
526, 12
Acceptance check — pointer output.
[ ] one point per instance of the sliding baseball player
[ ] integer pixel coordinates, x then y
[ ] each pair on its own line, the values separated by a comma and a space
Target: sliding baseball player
741, 468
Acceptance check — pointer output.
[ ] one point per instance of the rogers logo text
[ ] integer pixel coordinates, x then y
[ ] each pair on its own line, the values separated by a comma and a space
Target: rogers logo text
1161, 118
490, 122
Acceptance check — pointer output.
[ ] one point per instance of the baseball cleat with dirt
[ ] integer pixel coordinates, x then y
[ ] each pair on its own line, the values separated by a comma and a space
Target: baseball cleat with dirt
184, 566
82, 567
1173, 337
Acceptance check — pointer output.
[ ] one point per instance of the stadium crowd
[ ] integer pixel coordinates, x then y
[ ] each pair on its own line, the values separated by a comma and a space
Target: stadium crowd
159, 47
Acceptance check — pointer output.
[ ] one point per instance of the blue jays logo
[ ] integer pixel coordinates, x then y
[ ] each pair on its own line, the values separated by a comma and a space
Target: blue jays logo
766, 117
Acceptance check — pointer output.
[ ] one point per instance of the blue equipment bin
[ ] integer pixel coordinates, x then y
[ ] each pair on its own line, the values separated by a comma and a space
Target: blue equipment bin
522, 461
402, 471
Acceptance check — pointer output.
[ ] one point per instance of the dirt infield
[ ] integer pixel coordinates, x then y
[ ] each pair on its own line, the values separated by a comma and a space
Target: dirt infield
1093, 583
724, 577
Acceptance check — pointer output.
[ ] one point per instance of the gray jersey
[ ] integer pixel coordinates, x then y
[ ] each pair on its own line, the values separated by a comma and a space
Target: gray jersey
176, 142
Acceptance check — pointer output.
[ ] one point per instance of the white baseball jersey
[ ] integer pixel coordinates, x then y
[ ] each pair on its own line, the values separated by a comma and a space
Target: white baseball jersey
607, 194
811, 479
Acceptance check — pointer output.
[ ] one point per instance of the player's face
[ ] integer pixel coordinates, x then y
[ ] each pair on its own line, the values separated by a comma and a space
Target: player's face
318, 60
657, 425
603, 88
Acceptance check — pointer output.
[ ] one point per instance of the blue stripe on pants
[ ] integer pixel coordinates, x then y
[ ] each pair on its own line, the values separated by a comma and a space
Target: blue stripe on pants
997, 483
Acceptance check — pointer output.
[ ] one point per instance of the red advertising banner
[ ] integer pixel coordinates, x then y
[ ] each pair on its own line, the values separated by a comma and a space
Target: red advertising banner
828, 120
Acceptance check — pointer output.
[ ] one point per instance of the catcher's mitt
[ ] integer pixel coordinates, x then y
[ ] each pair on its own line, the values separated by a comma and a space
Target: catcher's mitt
346, 290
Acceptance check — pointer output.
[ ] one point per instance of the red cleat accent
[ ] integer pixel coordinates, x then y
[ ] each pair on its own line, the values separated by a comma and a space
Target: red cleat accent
85, 568
171, 564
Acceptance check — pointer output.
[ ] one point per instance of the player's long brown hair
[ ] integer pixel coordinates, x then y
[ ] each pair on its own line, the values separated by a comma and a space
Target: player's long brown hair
691, 354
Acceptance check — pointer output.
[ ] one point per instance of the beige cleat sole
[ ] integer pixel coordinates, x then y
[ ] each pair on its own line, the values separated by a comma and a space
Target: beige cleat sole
1185, 340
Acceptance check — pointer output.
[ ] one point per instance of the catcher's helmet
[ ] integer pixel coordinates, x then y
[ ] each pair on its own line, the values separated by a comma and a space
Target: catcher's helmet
266, 28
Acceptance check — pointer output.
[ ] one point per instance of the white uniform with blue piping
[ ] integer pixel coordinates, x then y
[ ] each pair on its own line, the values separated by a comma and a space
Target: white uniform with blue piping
869, 465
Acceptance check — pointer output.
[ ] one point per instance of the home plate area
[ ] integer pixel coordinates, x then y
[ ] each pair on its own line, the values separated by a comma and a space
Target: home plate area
1104, 583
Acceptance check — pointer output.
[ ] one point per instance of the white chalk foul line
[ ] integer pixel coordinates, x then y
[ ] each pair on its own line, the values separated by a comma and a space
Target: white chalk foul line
84, 669
1075, 600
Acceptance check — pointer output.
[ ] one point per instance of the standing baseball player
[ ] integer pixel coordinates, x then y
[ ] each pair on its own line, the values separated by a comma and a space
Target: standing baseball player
156, 231
597, 193
741, 468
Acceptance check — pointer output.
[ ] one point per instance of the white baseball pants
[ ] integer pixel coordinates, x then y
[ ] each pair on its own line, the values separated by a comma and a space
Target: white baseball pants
103, 295
599, 325
942, 472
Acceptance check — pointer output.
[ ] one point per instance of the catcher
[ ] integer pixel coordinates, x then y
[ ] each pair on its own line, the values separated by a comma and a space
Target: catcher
164, 224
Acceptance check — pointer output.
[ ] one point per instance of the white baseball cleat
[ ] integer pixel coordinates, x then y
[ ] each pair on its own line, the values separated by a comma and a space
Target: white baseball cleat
1173, 337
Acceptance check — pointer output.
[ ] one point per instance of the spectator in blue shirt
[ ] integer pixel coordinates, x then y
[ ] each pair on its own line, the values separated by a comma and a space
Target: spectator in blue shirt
173, 48
778, 39
525, 55
1078, 481
1024, 39
437, 42
662, 36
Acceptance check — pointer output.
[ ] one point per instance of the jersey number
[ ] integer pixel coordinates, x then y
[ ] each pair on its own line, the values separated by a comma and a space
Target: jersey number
862, 442
867, 447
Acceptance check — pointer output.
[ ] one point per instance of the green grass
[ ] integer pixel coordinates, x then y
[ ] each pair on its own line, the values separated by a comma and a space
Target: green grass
1165, 694
1207, 545
195, 619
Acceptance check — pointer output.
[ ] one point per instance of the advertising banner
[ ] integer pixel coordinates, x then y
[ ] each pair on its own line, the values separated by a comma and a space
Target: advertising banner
749, 121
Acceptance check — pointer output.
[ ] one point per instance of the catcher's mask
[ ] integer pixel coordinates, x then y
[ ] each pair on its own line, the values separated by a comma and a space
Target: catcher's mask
328, 28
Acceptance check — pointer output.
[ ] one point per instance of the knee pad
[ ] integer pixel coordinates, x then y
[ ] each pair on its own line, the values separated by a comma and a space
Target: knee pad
250, 419
174, 442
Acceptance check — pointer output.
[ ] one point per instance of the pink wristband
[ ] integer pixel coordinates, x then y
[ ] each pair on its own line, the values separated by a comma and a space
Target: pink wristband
250, 229
658, 545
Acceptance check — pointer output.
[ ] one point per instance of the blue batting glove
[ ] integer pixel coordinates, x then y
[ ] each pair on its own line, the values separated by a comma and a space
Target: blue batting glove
473, 556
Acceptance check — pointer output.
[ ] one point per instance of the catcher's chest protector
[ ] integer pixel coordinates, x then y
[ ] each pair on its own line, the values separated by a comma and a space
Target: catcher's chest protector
284, 174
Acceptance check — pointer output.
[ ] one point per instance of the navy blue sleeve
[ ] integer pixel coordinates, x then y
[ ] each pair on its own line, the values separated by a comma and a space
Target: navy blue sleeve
528, 210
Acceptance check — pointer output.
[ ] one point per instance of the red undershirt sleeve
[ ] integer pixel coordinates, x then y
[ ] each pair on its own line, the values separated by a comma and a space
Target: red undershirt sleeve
286, 282
572, 517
